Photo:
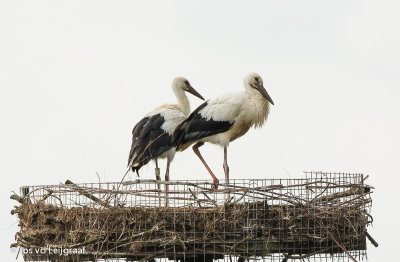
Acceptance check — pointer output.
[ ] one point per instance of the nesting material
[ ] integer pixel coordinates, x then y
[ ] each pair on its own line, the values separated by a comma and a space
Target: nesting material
263, 219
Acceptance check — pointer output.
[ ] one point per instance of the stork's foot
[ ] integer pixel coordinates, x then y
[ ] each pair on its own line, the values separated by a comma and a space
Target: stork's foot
157, 172
215, 184
158, 178
226, 170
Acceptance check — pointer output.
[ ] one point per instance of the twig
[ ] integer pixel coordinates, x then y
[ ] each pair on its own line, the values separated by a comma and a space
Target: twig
90, 241
18, 198
350, 192
154, 228
373, 242
320, 251
333, 238
88, 195
147, 257
49, 193
211, 200
240, 198
194, 196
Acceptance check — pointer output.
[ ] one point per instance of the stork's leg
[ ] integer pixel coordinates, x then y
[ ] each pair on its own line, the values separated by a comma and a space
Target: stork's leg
226, 168
166, 180
197, 152
157, 171
158, 178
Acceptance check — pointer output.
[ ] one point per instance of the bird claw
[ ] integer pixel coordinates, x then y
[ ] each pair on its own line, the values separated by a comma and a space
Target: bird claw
215, 185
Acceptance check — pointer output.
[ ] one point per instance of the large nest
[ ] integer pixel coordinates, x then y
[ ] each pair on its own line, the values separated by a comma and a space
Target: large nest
333, 222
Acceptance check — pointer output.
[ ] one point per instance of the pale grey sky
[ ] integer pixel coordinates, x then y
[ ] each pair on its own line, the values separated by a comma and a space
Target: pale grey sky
75, 76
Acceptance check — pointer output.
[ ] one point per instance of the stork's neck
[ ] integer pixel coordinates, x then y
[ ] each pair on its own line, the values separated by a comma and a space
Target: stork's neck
260, 107
183, 101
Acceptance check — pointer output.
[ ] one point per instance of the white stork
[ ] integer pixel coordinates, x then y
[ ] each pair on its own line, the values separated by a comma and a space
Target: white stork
223, 119
151, 136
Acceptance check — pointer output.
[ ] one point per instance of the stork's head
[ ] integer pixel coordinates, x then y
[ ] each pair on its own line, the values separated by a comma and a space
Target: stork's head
181, 84
253, 82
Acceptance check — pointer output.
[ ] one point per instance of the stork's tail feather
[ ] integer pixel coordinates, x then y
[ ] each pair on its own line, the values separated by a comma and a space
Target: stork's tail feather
135, 169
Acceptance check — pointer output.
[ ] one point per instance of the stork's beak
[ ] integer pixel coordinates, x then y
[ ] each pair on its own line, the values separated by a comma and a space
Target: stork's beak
264, 93
194, 92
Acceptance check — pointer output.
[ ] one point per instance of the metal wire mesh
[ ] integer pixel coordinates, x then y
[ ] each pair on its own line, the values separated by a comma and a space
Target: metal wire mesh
321, 217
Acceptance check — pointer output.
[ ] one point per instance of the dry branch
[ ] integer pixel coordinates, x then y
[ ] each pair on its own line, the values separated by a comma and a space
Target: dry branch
245, 226
87, 194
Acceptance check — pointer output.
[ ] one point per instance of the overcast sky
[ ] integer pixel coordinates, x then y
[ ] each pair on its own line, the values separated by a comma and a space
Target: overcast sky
75, 76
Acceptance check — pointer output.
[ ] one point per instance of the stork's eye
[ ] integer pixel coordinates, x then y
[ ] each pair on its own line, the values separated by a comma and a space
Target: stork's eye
256, 78
186, 82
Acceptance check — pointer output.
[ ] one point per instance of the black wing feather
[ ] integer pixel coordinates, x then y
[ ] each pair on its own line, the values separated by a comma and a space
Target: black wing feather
196, 127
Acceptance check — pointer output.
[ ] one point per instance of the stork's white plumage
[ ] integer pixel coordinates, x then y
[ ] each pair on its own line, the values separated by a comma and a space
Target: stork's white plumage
224, 119
151, 136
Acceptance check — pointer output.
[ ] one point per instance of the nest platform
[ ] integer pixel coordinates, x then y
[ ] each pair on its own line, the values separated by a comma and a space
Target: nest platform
324, 215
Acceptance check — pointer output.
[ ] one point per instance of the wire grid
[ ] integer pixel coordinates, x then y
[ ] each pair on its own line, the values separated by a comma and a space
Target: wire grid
290, 198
